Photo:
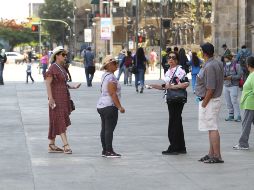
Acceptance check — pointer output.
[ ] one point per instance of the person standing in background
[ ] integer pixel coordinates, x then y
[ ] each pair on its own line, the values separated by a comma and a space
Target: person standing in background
44, 62
89, 63
29, 72
3, 59
195, 64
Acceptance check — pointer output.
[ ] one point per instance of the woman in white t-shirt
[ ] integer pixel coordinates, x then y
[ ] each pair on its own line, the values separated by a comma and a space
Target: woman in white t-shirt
108, 106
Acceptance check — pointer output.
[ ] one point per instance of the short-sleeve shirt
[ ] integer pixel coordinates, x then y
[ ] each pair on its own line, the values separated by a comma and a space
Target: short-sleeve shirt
105, 99
211, 76
177, 73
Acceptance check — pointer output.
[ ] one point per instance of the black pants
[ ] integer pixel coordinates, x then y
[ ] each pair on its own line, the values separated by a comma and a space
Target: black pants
109, 117
28, 74
175, 127
89, 76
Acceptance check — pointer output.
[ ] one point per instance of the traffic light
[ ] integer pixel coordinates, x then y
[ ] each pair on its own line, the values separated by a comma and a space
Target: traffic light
35, 27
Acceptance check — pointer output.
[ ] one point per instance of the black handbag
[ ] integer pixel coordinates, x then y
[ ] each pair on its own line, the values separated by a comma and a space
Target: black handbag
134, 69
72, 105
176, 95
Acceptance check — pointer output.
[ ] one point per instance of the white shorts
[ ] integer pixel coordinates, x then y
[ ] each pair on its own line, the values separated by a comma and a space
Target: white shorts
208, 116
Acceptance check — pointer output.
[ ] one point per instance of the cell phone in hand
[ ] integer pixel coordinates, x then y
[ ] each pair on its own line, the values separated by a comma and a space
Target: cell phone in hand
53, 106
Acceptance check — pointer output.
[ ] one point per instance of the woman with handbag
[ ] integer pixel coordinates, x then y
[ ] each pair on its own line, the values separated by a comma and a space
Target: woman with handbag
108, 106
176, 83
60, 104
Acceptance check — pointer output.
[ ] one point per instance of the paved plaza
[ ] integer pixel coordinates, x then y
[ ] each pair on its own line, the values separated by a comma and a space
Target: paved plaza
140, 136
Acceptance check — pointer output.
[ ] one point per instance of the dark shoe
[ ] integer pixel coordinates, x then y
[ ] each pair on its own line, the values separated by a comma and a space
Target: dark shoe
103, 153
137, 90
142, 90
169, 152
213, 160
112, 154
238, 119
206, 157
229, 118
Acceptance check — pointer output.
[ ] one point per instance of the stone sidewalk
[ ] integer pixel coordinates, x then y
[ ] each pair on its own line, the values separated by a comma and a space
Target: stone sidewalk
140, 136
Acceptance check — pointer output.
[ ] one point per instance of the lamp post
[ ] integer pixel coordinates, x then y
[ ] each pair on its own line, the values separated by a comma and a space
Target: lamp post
94, 33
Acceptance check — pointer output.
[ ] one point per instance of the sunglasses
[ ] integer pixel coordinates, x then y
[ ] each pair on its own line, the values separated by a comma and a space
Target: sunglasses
63, 54
172, 57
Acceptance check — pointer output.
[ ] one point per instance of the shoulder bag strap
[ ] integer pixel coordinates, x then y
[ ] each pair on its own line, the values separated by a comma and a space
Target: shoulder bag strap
103, 80
61, 71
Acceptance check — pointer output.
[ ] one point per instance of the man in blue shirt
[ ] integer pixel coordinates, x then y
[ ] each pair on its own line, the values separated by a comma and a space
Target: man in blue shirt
89, 65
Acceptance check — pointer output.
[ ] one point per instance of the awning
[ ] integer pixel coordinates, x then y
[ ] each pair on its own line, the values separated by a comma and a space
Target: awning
95, 2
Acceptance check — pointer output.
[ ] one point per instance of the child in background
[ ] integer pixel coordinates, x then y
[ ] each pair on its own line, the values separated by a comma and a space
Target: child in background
29, 72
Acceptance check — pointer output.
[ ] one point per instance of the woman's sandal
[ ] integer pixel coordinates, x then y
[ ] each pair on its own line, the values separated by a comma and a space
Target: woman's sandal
213, 160
54, 149
67, 150
206, 157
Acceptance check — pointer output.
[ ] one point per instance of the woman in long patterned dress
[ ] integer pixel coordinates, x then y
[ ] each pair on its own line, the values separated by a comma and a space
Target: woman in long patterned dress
59, 100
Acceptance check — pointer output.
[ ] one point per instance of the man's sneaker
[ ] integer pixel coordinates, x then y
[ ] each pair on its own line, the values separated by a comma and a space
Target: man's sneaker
238, 119
238, 147
103, 153
112, 154
230, 118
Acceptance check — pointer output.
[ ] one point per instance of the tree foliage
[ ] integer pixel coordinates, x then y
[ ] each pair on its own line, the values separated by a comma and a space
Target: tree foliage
57, 9
17, 36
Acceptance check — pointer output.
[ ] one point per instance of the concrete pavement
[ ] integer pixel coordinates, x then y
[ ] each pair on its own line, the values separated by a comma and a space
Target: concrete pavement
140, 136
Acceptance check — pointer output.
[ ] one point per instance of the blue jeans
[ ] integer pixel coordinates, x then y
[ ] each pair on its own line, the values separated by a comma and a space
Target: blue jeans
1, 73
120, 71
193, 81
89, 77
140, 76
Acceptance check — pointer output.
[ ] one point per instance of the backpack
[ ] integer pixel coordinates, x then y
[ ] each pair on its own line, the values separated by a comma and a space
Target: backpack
243, 59
128, 61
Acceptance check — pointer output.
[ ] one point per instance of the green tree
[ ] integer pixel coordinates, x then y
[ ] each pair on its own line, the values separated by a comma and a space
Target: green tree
17, 36
57, 9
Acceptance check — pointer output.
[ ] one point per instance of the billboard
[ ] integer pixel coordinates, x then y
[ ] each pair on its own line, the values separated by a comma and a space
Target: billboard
106, 31
88, 35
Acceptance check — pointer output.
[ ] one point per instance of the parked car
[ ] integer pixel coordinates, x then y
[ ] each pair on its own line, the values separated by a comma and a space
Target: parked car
14, 57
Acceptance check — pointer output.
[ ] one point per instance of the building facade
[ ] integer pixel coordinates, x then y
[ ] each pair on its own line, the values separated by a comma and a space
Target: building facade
233, 24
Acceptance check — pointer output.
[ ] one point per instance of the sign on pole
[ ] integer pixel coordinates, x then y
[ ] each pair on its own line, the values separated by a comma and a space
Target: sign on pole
106, 28
131, 44
88, 35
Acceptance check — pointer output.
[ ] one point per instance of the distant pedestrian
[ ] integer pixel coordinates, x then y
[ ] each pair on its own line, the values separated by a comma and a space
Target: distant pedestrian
3, 59
153, 59
140, 61
195, 64
183, 60
247, 104
232, 75
209, 87
164, 61
60, 106
44, 62
121, 66
108, 106
128, 62
89, 64
227, 52
175, 78
29, 72
241, 58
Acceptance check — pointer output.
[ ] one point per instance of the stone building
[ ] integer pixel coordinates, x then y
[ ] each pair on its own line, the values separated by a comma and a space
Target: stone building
233, 24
